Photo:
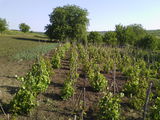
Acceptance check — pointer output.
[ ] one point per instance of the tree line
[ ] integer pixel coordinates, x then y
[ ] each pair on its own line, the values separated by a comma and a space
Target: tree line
4, 26
70, 22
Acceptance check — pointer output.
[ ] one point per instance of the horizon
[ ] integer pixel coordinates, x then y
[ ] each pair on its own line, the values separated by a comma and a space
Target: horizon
103, 16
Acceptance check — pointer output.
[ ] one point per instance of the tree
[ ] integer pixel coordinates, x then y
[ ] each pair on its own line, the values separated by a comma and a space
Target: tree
68, 22
110, 38
94, 37
3, 25
120, 34
134, 33
24, 27
148, 42
130, 34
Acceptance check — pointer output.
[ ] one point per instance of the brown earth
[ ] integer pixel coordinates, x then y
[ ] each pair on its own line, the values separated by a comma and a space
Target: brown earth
51, 106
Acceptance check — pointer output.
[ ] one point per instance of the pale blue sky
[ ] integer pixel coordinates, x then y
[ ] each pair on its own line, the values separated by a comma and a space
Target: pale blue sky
103, 14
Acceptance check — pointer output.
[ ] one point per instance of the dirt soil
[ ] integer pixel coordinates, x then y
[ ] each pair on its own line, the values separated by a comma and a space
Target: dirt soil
51, 106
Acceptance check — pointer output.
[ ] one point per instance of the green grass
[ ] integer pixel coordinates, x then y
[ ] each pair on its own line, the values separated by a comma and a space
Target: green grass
26, 46
33, 53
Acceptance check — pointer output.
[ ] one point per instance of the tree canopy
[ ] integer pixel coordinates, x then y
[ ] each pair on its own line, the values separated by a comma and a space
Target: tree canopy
148, 42
134, 33
94, 37
24, 27
3, 25
130, 34
110, 38
68, 23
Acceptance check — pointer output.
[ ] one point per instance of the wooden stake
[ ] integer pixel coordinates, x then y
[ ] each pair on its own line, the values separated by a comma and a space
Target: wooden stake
147, 100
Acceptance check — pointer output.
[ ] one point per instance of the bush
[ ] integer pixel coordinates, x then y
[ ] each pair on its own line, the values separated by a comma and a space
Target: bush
109, 107
110, 38
148, 42
155, 110
56, 61
96, 79
94, 37
35, 82
68, 89
23, 102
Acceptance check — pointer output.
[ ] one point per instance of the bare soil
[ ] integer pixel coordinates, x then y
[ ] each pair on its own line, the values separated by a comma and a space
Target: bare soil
51, 106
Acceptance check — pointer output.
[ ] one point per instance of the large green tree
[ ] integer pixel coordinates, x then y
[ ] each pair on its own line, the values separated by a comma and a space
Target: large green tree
130, 34
3, 25
94, 37
120, 33
134, 33
24, 27
148, 42
68, 23
110, 38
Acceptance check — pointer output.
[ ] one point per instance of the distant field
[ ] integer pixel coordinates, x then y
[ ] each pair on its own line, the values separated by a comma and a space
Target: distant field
17, 45
154, 32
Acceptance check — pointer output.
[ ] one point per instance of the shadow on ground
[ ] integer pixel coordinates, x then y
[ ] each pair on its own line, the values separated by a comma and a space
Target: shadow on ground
34, 39
11, 89
59, 85
53, 96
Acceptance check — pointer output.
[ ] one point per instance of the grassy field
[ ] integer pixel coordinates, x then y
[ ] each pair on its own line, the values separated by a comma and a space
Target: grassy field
19, 45
154, 32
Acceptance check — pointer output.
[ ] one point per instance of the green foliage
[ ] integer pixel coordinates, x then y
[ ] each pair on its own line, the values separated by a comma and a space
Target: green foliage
24, 27
109, 107
120, 33
56, 61
33, 53
68, 89
137, 85
68, 22
108, 66
130, 34
155, 110
73, 64
96, 79
148, 42
3, 25
23, 102
110, 38
59, 54
99, 82
35, 82
134, 33
94, 37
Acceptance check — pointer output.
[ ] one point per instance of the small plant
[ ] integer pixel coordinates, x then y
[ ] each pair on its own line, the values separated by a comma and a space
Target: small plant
56, 61
137, 85
35, 82
68, 90
109, 107
96, 79
155, 110
23, 102
108, 66
99, 82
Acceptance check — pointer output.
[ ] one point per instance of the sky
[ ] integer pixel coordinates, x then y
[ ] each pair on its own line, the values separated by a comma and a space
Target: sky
103, 14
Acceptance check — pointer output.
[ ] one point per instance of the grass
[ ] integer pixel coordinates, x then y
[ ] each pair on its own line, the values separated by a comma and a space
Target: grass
26, 46
34, 52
